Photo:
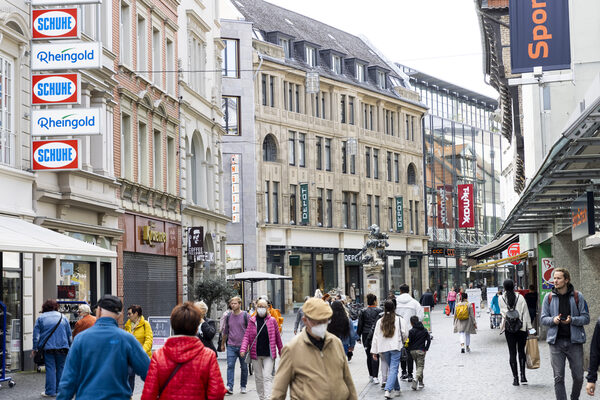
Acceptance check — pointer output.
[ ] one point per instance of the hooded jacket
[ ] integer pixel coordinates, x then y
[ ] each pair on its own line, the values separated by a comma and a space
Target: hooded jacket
406, 307
313, 374
272, 328
579, 316
198, 378
418, 338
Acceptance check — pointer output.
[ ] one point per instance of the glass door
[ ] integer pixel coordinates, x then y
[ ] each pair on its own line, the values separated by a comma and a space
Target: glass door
11, 296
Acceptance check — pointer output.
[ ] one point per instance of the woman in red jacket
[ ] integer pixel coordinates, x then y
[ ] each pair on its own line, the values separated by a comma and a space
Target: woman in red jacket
183, 368
263, 341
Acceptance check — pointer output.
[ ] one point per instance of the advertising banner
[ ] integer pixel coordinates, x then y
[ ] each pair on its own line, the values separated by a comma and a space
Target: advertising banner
475, 299
539, 35
57, 23
304, 205
55, 89
427, 318
161, 330
399, 214
465, 206
545, 269
65, 122
444, 205
236, 179
57, 56
52, 155
583, 221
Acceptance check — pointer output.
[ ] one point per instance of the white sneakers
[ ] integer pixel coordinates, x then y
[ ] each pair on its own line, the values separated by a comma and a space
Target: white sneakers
243, 390
375, 380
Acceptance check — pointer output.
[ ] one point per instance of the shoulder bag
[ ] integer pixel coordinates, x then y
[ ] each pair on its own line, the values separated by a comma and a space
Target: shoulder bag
40, 357
161, 389
248, 359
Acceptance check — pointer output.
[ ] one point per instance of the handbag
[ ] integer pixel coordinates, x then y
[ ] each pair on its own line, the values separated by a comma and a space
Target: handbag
168, 380
532, 353
247, 358
40, 357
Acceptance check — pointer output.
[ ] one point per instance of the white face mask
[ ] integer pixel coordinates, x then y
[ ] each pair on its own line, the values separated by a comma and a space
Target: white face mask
261, 311
319, 330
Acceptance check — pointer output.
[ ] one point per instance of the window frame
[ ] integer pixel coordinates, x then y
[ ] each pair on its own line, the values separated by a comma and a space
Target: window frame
226, 56
226, 113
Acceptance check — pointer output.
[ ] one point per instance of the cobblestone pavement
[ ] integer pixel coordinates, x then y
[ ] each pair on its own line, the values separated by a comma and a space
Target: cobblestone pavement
483, 373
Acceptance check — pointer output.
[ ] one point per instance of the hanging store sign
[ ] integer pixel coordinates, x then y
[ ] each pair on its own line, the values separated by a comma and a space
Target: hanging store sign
465, 206
514, 250
195, 245
582, 217
55, 89
56, 56
55, 23
444, 206
399, 214
539, 35
65, 122
235, 188
304, 207
51, 155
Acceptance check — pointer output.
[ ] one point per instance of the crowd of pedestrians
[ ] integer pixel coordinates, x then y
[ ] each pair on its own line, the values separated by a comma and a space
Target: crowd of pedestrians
99, 360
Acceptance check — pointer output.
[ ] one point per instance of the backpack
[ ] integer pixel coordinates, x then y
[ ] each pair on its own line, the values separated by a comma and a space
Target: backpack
576, 294
462, 311
513, 323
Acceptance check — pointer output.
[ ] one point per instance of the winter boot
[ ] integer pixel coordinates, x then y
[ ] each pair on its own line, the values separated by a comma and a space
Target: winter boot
515, 372
522, 364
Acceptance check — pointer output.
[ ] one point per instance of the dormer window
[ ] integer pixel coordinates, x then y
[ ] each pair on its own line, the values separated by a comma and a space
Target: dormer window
360, 72
336, 64
381, 80
285, 43
310, 55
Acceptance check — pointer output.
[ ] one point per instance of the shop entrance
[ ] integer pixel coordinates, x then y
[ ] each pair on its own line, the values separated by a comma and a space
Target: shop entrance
11, 282
353, 275
276, 288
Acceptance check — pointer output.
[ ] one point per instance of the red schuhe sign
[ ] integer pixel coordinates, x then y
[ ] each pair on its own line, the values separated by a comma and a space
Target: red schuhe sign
465, 206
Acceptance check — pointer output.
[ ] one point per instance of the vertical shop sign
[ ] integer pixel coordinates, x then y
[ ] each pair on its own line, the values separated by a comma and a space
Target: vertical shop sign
583, 221
539, 35
465, 206
399, 214
235, 188
444, 200
195, 248
304, 207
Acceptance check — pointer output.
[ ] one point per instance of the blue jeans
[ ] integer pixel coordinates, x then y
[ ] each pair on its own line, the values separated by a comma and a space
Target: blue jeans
451, 304
131, 378
561, 351
233, 354
55, 363
393, 360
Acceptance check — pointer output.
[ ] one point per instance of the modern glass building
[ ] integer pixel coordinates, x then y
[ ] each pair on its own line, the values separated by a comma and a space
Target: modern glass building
462, 146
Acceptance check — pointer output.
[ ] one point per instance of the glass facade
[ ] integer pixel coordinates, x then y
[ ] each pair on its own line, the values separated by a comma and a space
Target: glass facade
12, 297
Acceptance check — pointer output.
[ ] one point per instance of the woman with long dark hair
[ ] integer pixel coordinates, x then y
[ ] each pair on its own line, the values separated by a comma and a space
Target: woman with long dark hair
341, 326
516, 336
388, 338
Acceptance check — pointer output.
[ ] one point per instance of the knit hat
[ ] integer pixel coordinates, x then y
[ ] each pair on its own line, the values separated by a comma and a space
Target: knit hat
316, 309
110, 303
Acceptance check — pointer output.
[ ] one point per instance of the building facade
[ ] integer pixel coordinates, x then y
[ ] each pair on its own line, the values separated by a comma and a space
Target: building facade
463, 145
338, 148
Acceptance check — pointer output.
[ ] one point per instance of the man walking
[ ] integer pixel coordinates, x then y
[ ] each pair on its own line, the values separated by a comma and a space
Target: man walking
594, 360
98, 362
313, 365
427, 299
236, 323
366, 323
565, 314
406, 307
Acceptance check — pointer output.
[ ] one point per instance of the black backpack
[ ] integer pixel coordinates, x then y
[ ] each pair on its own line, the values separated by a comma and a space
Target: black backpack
512, 320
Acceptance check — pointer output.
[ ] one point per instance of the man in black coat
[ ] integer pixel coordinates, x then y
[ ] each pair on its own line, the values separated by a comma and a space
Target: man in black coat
594, 360
366, 324
427, 299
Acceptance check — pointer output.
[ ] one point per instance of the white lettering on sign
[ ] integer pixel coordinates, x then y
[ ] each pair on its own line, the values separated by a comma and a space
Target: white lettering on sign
235, 188
465, 198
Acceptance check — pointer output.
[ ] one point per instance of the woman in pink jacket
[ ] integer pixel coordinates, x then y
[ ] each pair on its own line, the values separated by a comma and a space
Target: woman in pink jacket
451, 300
263, 341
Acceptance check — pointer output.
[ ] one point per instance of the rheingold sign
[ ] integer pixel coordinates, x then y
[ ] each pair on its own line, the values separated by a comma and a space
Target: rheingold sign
57, 56
65, 122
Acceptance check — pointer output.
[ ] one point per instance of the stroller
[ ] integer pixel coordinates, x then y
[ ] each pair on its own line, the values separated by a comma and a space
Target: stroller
495, 321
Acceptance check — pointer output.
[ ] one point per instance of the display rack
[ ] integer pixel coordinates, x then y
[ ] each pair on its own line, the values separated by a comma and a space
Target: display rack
3, 377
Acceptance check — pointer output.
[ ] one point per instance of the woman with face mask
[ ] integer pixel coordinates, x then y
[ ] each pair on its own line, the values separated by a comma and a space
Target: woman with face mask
263, 341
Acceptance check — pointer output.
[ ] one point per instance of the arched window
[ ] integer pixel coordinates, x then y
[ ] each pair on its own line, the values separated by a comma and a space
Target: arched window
269, 148
411, 175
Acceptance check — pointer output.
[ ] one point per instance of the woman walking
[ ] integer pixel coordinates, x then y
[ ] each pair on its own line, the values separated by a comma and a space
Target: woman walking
388, 338
513, 308
464, 322
341, 326
199, 378
140, 328
207, 329
451, 300
52, 337
263, 341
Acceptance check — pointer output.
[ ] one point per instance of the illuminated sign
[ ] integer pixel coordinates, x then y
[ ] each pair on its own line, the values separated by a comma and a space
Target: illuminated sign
539, 35
442, 252
55, 89
582, 217
53, 56
65, 122
55, 23
55, 155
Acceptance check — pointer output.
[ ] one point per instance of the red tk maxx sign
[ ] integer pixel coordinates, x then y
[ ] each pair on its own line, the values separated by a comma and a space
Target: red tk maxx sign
514, 250
465, 206
56, 23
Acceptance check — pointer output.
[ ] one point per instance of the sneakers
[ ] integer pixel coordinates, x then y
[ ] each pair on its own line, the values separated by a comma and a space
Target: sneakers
382, 385
462, 350
370, 379
243, 390
396, 393
468, 349
409, 378
229, 391
413, 386
387, 394
421, 385
43, 394
375, 380
404, 376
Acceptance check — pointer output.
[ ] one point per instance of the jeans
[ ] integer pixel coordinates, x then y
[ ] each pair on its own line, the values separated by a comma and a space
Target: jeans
419, 357
451, 304
263, 375
55, 363
393, 359
559, 351
233, 354
407, 365
384, 367
131, 378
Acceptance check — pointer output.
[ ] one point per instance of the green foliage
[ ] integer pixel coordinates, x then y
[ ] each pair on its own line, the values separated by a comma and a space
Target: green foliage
213, 291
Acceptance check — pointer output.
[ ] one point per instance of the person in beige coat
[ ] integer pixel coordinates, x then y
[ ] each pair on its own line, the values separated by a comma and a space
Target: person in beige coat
465, 327
313, 365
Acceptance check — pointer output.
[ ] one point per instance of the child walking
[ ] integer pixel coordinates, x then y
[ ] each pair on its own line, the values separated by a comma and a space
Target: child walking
464, 322
418, 345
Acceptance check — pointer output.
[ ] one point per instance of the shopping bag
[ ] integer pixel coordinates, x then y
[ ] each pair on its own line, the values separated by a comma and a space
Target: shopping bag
532, 353
447, 309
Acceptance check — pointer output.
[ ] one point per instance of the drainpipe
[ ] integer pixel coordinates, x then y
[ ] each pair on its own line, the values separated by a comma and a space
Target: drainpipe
259, 65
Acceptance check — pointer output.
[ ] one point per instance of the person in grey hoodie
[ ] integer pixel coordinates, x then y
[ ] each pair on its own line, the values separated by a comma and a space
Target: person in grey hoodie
565, 314
406, 307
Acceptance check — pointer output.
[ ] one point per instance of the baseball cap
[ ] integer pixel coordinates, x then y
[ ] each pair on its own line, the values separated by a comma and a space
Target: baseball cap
110, 303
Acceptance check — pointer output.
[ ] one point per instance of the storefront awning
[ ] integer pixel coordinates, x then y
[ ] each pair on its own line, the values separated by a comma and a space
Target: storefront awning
494, 247
496, 263
21, 236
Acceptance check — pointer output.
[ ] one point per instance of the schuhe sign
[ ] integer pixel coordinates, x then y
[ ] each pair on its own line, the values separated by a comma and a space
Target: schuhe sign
50, 155
55, 23
55, 89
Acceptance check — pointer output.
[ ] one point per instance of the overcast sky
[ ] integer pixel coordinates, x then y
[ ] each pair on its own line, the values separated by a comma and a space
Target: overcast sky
438, 37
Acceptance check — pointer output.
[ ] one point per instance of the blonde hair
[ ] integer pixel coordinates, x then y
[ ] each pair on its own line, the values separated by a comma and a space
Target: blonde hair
236, 298
201, 305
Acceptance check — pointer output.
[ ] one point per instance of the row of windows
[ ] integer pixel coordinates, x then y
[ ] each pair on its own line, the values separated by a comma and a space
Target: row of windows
323, 210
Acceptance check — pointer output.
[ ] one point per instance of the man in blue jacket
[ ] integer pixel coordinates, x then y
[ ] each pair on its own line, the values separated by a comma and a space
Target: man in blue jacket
97, 365
565, 314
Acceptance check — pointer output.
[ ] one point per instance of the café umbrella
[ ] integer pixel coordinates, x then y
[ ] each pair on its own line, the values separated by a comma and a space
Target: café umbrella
255, 276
